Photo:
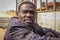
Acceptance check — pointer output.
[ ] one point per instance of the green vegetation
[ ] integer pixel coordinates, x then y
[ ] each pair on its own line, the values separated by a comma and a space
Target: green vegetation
3, 27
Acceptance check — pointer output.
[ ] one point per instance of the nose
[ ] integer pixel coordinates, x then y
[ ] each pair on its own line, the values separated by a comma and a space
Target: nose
28, 14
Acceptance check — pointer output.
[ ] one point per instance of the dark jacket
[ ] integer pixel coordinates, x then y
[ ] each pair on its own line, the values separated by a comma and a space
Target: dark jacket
17, 30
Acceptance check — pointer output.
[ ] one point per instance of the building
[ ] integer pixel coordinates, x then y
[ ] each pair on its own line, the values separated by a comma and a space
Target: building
50, 6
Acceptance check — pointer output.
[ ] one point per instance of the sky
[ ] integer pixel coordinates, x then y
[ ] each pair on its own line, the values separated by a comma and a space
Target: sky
7, 4
11, 4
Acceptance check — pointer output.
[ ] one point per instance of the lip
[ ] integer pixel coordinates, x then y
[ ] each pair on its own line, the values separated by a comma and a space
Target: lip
28, 20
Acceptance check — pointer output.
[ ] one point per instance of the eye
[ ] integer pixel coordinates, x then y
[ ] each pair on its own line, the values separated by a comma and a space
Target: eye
25, 12
32, 12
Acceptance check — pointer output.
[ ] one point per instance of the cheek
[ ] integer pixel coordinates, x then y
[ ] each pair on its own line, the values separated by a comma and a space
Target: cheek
34, 17
21, 16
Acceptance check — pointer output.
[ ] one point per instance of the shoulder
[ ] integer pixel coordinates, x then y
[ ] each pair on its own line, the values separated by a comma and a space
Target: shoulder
13, 21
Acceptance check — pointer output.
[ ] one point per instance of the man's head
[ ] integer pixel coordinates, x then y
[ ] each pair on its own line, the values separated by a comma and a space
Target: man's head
27, 12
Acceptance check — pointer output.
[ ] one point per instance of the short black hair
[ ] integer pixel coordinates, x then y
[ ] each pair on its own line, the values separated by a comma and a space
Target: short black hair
25, 2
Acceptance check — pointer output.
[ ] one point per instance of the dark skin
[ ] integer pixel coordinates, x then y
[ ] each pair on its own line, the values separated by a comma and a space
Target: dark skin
27, 14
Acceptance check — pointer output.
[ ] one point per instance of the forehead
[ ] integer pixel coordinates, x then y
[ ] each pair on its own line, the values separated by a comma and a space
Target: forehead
27, 7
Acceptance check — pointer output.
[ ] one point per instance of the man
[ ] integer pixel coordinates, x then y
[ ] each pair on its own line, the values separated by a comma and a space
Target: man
24, 27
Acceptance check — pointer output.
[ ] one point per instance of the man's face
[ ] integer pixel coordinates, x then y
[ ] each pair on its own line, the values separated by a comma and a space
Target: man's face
27, 13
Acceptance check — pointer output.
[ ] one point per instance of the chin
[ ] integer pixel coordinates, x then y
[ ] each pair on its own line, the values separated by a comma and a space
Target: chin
29, 23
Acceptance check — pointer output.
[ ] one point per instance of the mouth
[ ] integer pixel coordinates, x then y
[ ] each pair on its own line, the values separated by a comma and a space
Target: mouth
28, 20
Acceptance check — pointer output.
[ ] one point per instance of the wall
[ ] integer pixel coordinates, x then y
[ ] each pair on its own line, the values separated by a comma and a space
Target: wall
49, 20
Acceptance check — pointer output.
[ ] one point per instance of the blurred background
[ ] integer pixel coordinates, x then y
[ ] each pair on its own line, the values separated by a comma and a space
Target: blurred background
48, 13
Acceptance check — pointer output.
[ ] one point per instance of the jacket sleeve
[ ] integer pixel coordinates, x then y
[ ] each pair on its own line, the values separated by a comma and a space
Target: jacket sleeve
55, 33
24, 34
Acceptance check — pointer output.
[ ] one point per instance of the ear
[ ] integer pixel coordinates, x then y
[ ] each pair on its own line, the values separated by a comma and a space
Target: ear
36, 14
36, 17
16, 13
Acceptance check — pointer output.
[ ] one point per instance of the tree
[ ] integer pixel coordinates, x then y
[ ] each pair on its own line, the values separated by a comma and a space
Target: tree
43, 4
